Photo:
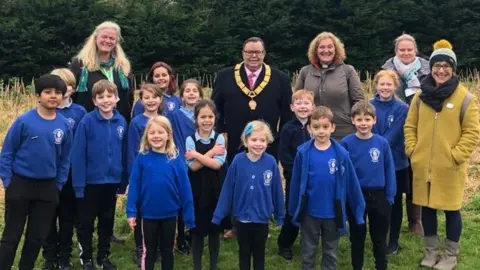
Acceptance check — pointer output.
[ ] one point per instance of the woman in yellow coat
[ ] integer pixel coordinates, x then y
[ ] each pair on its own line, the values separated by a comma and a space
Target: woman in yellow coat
441, 133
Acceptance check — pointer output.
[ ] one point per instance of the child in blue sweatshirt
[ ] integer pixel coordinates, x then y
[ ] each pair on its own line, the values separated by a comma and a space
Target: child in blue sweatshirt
99, 172
162, 75
323, 182
183, 124
391, 115
253, 192
58, 246
293, 134
159, 189
373, 161
34, 166
151, 97
205, 158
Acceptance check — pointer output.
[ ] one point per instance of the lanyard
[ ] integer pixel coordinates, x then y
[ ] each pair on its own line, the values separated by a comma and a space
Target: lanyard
108, 73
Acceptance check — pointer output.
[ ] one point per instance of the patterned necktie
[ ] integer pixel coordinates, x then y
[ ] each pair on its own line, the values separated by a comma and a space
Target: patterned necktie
251, 80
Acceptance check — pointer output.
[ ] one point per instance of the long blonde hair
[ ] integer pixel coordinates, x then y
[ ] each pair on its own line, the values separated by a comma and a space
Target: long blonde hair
88, 54
340, 54
170, 148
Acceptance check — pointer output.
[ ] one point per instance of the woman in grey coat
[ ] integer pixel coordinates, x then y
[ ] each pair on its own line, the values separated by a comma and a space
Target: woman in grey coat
335, 84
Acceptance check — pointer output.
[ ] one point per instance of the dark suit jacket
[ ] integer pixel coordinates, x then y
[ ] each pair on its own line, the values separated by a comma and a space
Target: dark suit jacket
273, 106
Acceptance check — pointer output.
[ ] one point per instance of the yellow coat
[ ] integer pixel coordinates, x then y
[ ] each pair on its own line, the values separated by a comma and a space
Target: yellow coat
439, 148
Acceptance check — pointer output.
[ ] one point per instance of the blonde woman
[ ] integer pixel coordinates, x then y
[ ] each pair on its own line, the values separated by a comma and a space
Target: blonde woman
102, 57
335, 84
409, 67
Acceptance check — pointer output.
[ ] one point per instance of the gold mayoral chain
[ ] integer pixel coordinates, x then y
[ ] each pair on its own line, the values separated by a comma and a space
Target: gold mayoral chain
255, 92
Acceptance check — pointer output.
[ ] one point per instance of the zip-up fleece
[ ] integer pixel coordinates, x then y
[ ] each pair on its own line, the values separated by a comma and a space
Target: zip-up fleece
391, 117
293, 134
347, 187
99, 152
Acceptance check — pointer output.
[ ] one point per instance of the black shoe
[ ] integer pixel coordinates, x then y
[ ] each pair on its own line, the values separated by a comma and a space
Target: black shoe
88, 265
183, 249
286, 253
117, 239
137, 256
159, 256
50, 265
393, 248
65, 265
105, 263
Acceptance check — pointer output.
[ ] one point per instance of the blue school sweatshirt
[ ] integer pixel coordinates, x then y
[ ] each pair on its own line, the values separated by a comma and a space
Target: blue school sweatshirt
373, 163
183, 126
135, 132
37, 148
170, 104
293, 134
99, 152
160, 187
73, 113
391, 117
347, 188
252, 191
322, 166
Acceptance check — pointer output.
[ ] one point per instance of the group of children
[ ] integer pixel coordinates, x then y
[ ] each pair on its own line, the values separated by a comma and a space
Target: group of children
174, 165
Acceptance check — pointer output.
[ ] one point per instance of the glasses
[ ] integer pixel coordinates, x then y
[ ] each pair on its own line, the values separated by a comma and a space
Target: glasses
438, 67
251, 53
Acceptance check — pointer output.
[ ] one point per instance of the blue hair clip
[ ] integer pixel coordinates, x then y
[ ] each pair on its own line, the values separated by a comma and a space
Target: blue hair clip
248, 130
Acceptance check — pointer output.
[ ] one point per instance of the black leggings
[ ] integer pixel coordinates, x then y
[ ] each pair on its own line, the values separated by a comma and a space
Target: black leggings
453, 222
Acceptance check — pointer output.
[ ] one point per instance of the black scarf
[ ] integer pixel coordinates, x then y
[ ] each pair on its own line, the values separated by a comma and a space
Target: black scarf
434, 95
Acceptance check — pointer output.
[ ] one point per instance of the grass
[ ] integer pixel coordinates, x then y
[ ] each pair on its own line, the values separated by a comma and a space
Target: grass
16, 99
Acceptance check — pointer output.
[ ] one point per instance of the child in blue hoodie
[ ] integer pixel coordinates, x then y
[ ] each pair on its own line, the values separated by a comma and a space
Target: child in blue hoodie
253, 192
151, 98
183, 124
323, 181
159, 189
99, 172
34, 166
391, 115
162, 75
371, 155
58, 246
293, 134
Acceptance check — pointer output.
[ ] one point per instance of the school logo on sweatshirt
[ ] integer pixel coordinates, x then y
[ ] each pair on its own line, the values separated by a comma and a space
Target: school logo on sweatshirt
390, 120
71, 122
374, 154
58, 136
170, 106
332, 165
120, 131
267, 177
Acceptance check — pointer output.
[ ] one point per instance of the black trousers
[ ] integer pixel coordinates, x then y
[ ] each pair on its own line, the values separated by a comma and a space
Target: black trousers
197, 249
289, 232
138, 230
180, 229
396, 217
59, 241
453, 223
32, 200
378, 212
252, 238
98, 202
158, 234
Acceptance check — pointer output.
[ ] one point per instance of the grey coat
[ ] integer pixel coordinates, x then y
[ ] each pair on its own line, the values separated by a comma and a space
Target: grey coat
337, 87
422, 73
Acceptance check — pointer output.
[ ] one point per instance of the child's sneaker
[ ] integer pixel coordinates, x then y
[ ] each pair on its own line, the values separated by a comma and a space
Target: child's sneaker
50, 265
393, 248
88, 265
105, 263
286, 253
183, 249
159, 256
